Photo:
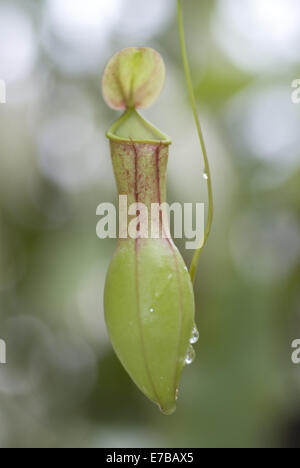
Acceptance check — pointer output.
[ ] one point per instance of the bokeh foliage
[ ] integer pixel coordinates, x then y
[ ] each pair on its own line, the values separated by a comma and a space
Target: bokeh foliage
62, 385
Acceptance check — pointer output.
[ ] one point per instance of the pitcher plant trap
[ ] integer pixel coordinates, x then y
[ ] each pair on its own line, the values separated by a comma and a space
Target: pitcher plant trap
149, 297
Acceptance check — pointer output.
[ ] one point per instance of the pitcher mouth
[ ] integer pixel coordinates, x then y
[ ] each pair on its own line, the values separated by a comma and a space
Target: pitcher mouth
132, 127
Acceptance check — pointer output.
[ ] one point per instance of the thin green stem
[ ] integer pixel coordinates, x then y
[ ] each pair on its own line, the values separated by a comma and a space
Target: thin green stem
187, 72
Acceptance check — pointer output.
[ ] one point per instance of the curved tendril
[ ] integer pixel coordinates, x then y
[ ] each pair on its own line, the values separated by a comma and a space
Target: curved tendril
196, 257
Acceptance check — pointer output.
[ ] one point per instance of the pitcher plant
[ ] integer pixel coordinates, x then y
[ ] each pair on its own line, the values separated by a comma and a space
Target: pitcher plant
149, 299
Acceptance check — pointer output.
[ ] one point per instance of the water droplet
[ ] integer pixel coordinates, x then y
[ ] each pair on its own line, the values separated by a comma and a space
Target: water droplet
205, 175
194, 336
169, 408
190, 355
151, 311
177, 394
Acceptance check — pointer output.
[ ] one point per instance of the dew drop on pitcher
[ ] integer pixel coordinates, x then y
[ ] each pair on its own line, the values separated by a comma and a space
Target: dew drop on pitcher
190, 355
205, 176
194, 336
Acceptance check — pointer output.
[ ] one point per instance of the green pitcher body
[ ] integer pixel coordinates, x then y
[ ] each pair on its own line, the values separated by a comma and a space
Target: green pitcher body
149, 299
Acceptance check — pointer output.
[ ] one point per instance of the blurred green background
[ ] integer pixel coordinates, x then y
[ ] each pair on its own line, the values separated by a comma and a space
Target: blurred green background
62, 385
